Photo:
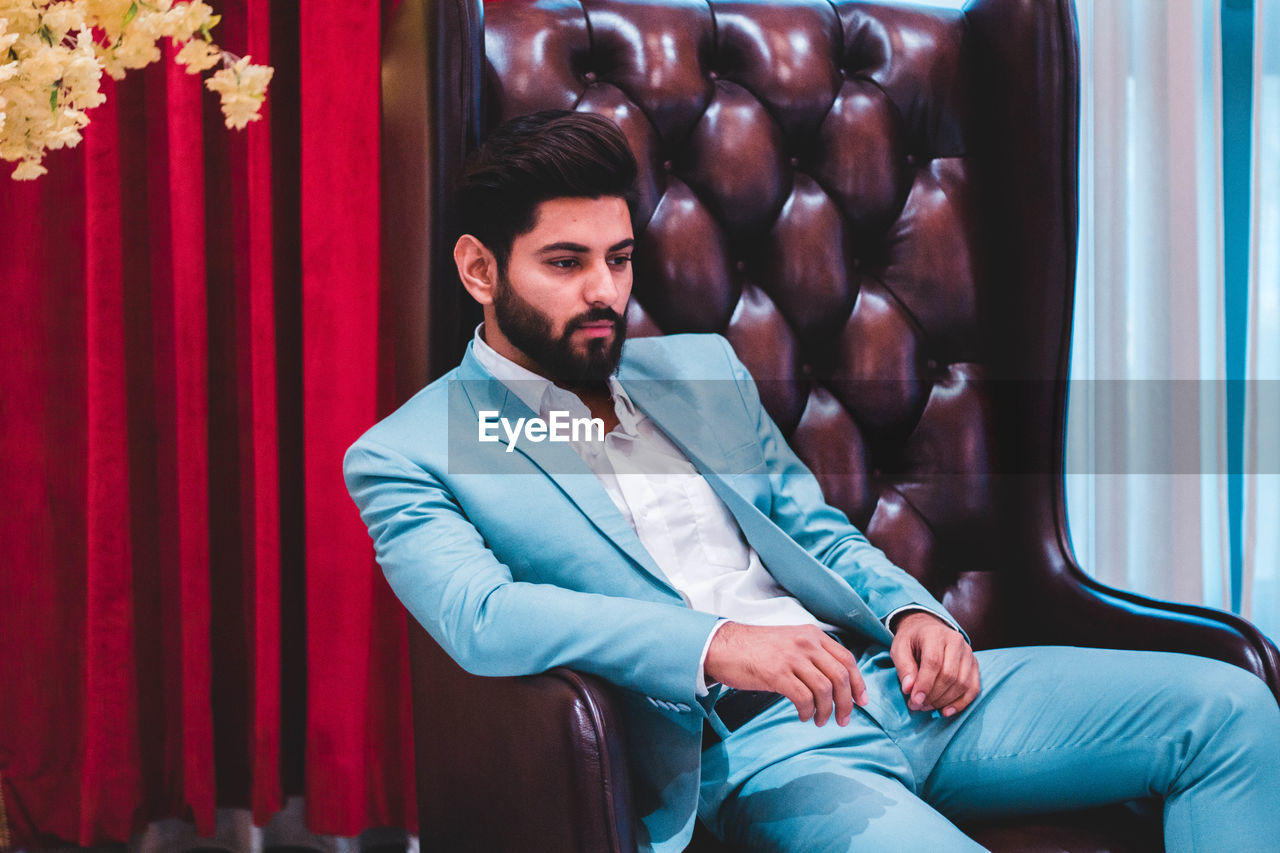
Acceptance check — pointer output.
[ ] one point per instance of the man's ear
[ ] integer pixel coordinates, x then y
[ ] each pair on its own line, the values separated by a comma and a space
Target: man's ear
477, 267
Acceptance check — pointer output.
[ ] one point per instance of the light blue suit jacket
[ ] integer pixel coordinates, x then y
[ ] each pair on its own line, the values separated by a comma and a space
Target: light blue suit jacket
517, 562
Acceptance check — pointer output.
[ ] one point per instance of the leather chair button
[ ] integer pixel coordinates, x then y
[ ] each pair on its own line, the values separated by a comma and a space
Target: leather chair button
713, 76
795, 161
667, 165
740, 266
590, 76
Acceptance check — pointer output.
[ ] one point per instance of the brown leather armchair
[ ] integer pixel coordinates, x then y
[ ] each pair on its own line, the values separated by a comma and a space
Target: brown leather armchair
876, 204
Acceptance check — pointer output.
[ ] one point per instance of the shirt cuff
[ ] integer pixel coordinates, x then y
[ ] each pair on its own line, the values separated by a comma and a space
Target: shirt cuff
702, 687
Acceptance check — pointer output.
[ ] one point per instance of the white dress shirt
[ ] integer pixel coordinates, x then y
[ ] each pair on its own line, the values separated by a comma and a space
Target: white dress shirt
680, 520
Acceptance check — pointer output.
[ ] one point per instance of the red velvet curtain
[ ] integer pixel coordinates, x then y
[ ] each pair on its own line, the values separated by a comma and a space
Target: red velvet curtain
190, 615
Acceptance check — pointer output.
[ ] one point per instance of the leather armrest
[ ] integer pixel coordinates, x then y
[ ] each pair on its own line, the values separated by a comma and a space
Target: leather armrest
1063, 605
517, 763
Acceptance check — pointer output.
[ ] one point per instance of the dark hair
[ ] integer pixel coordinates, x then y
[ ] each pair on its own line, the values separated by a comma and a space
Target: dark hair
534, 158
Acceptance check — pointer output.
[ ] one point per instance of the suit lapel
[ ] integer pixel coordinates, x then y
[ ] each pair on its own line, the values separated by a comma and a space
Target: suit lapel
822, 591
559, 462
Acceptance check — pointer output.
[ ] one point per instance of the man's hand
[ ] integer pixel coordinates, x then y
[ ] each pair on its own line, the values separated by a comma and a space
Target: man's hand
801, 662
936, 667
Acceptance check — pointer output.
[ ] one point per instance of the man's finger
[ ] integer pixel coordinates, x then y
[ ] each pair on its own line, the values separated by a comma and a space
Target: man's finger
926, 675
800, 695
958, 687
944, 684
842, 687
975, 685
953, 708
823, 692
839, 652
846, 658
968, 689
904, 660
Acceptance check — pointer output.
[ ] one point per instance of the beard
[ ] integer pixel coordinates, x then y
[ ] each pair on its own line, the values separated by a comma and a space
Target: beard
529, 330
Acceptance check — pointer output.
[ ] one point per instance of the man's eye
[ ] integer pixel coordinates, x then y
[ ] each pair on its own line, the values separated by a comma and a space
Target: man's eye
564, 263
620, 260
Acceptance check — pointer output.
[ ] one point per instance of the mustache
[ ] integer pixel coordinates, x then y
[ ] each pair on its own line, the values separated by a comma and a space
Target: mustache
595, 315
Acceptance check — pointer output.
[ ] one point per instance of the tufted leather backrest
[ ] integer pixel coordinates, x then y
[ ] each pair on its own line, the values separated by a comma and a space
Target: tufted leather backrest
873, 202
809, 189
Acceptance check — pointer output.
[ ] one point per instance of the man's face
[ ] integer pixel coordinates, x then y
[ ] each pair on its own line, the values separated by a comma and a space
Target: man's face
562, 302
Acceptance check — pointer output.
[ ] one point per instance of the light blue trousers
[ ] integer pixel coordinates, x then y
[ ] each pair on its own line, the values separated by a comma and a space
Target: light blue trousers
1053, 729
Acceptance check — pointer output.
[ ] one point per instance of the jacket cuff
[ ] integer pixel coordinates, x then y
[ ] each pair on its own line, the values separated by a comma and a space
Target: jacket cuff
907, 608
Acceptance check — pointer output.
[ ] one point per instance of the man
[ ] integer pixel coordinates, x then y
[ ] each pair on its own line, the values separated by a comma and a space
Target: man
779, 676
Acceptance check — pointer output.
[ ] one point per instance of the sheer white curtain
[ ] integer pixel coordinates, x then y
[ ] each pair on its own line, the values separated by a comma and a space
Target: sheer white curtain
1261, 600
1146, 437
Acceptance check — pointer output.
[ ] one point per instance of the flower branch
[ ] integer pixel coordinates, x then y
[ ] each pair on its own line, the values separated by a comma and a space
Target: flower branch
55, 52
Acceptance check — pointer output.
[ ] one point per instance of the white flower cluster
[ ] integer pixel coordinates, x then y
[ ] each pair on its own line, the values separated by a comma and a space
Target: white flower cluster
53, 53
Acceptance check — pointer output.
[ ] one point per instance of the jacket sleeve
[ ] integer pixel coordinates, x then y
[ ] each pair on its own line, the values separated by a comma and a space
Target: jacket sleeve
438, 564
799, 508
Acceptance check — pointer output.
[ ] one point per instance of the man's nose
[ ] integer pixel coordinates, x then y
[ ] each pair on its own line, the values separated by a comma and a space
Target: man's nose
600, 288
